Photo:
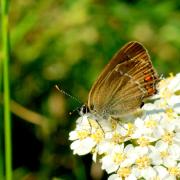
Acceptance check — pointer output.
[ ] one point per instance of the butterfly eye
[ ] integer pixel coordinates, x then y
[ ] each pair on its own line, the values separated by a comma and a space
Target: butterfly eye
84, 109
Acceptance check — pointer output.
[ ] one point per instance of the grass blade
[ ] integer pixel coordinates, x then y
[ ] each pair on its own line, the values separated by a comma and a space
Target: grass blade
7, 118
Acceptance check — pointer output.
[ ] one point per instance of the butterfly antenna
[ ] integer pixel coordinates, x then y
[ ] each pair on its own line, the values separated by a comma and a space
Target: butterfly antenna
65, 93
77, 109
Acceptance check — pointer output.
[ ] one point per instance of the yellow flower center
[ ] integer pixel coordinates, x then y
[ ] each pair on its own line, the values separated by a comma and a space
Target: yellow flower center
82, 134
163, 104
151, 123
130, 129
170, 113
143, 162
174, 171
119, 157
142, 141
117, 138
169, 110
98, 135
166, 93
164, 154
124, 172
168, 137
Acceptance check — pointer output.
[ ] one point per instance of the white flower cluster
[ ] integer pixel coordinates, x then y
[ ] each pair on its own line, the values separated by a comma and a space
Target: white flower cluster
147, 148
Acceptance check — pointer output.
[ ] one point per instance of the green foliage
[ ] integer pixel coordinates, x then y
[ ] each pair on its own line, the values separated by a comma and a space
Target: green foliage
68, 43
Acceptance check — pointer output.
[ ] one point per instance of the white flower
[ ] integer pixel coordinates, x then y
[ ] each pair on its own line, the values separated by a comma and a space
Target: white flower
148, 127
82, 147
147, 147
174, 83
147, 173
164, 154
118, 156
169, 87
162, 172
124, 173
85, 137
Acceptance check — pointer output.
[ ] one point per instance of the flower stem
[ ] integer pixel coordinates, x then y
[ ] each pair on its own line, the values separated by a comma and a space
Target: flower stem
7, 118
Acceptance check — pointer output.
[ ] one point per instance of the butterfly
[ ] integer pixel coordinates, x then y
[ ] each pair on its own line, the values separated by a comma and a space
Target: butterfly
124, 83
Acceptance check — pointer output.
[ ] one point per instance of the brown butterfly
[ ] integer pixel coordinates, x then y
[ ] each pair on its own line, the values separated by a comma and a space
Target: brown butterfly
124, 83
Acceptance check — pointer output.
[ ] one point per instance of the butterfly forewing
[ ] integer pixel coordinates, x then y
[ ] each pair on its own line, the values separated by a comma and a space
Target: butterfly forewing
125, 81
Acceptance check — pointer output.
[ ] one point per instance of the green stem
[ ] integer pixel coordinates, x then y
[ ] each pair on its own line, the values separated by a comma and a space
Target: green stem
1, 127
7, 118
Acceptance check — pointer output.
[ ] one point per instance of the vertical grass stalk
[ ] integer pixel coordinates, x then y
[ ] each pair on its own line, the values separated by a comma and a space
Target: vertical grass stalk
1, 126
1, 120
7, 118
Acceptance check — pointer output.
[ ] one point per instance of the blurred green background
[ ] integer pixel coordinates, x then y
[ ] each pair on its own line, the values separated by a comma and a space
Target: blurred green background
68, 42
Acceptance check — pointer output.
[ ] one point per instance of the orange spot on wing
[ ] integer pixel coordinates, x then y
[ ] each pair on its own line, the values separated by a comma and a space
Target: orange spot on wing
148, 78
151, 91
